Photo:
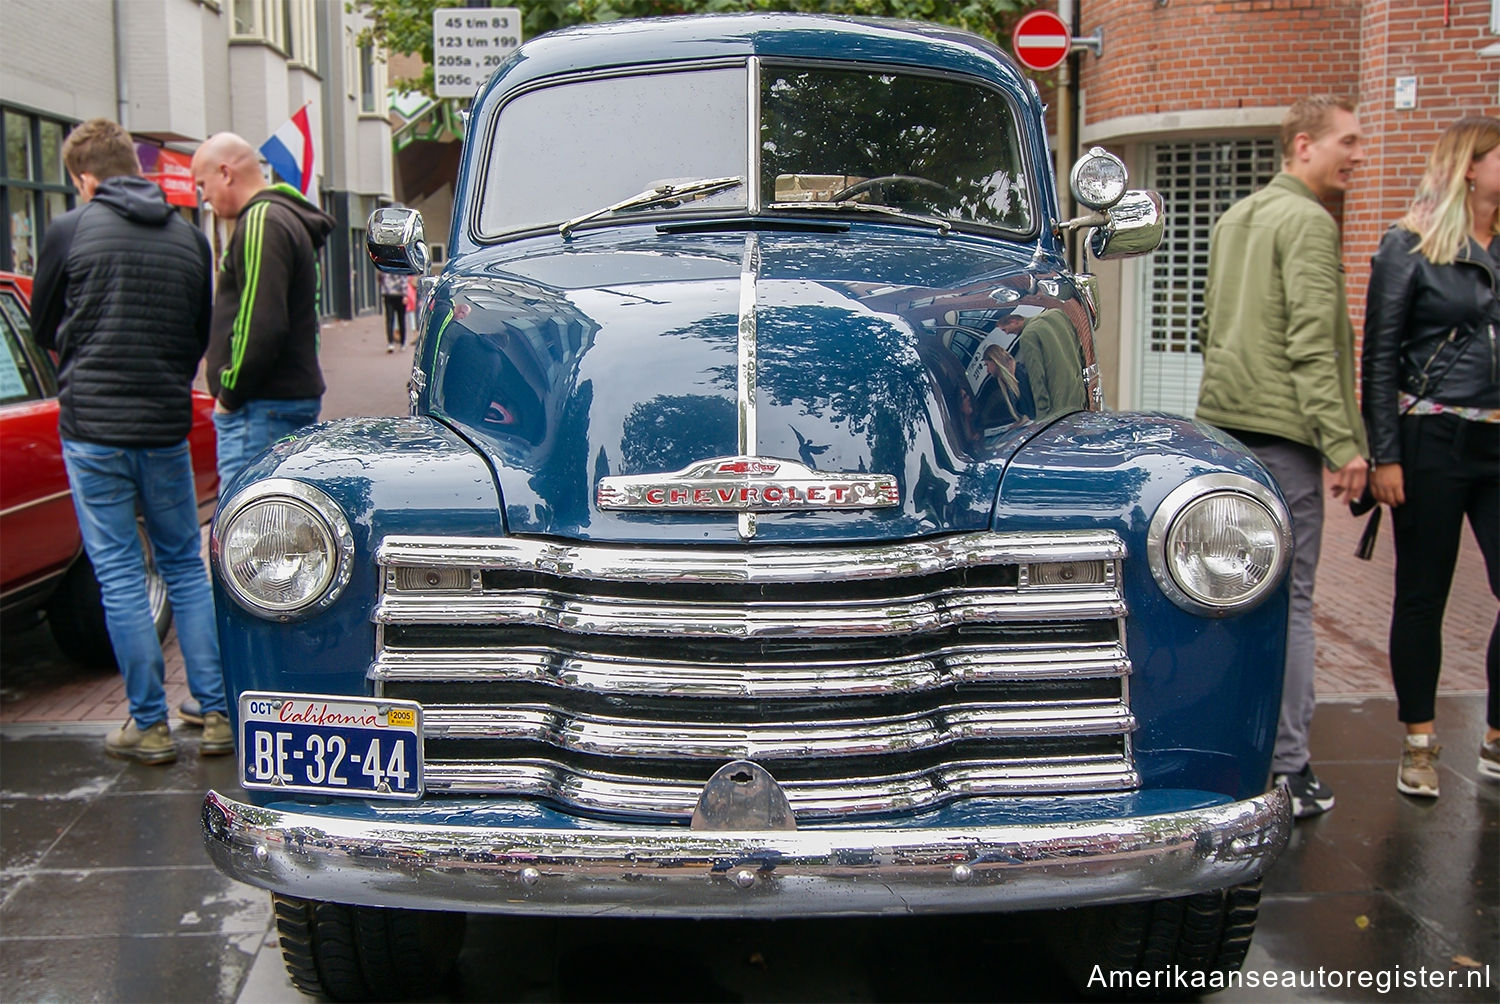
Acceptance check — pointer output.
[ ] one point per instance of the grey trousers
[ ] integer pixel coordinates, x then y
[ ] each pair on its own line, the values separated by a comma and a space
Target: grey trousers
1298, 470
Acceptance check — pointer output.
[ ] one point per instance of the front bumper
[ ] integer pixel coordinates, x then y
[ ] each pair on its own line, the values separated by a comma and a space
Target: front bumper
693, 873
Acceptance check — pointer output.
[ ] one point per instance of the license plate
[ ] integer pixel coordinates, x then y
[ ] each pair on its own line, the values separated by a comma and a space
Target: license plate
331, 745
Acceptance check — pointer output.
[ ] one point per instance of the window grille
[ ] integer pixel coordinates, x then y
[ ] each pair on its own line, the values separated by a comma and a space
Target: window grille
1197, 180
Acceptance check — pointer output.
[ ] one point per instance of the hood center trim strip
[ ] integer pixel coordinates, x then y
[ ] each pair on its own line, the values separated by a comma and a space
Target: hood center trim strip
747, 365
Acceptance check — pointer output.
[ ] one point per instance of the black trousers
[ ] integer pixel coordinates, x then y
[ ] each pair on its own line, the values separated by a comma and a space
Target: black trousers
395, 314
1451, 469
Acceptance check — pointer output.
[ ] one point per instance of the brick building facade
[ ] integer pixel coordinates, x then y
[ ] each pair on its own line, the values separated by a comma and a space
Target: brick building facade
1191, 94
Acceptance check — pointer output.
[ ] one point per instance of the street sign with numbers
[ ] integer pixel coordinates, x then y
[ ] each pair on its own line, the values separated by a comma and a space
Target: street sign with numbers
468, 43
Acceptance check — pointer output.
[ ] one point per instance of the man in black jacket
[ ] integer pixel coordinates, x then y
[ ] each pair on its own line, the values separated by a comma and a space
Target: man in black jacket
263, 353
122, 294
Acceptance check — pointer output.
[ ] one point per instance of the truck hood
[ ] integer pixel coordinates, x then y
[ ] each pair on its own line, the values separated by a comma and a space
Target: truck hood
620, 352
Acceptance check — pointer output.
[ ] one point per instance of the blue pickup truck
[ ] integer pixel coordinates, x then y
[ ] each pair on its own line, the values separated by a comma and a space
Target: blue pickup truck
758, 543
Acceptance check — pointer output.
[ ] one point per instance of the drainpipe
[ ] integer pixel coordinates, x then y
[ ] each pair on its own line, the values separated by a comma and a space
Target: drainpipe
122, 81
1067, 128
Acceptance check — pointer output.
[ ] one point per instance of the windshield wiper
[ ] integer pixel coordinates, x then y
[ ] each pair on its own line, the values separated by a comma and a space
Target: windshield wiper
849, 205
656, 196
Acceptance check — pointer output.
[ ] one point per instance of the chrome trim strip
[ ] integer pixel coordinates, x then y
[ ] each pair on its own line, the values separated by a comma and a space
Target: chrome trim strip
832, 798
747, 364
604, 674
643, 618
752, 145
387, 860
737, 565
65, 493
612, 736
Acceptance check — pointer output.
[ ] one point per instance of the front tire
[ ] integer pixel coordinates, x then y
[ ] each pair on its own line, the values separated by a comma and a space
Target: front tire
1205, 933
75, 613
365, 953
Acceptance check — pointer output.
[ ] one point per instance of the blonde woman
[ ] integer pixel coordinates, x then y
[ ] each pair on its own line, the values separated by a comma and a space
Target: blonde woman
1432, 409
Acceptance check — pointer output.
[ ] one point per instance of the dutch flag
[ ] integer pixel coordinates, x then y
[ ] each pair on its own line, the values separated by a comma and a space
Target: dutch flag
290, 152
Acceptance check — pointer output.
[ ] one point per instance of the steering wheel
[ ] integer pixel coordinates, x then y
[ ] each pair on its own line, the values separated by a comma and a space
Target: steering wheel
879, 181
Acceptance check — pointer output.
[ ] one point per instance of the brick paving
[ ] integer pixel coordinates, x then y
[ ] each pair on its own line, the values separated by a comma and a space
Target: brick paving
1352, 600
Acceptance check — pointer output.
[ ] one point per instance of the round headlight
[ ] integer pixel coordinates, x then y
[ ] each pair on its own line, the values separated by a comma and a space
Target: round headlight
283, 548
1219, 543
1098, 179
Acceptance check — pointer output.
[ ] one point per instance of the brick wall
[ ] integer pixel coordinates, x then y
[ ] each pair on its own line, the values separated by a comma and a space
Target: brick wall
1408, 38
1193, 54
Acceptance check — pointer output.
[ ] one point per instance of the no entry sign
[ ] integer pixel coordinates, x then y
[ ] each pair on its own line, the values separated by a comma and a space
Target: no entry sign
1041, 41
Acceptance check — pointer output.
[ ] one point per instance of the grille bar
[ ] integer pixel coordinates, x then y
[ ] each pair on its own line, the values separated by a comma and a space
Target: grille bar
739, 565
616, 794
668, 617
577, 671
634, 738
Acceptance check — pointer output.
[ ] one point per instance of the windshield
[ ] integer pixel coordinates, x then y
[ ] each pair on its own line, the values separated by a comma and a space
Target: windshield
919, 144
568, 150
581, 151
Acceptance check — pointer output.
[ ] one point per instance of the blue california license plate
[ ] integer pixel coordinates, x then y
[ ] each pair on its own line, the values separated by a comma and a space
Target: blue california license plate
331, 745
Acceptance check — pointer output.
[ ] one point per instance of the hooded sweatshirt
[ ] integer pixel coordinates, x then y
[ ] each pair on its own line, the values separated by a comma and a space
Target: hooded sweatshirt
122, 293
264, 342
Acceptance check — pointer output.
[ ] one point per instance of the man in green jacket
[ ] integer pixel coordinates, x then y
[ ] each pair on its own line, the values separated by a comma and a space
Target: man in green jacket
1278, 373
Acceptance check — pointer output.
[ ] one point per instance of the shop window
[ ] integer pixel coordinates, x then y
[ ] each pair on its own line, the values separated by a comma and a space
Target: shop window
34, 186
1197, 180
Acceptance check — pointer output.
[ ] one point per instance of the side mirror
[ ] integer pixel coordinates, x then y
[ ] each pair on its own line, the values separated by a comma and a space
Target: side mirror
1131, 226
396, 243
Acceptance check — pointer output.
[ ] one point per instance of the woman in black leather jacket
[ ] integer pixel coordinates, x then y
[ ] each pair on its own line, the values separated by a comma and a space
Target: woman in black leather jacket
1432, 409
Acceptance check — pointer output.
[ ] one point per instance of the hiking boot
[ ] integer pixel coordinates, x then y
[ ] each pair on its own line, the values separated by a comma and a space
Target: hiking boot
1418, 774
191, 712
218, 738
153, 744
1489, 759
1310, 797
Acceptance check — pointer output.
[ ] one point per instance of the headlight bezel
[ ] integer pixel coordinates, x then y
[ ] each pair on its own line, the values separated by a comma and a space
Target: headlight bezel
1201, 489
310, 500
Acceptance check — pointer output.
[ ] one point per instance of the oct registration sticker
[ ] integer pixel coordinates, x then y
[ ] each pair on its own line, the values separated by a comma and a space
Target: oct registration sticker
364, 747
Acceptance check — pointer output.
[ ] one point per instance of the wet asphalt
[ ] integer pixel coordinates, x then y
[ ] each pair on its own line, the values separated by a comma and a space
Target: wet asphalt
106, 894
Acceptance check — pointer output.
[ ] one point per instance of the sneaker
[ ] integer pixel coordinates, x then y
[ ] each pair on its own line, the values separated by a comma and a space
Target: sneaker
1310, 797
217, 736
389, 348
1489, 758
153, 744
1418, 774
191, 712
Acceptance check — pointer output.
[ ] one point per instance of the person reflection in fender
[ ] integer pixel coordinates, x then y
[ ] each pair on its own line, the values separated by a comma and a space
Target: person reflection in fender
1432, 408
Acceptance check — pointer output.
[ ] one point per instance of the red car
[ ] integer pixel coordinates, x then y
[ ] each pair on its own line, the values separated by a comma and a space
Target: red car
42, 564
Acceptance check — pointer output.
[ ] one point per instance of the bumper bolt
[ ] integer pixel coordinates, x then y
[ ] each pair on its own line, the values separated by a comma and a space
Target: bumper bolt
261, 853
744, 878
962, 873
530, 876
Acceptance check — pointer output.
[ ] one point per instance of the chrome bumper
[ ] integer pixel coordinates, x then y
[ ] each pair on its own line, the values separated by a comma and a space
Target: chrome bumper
694, 873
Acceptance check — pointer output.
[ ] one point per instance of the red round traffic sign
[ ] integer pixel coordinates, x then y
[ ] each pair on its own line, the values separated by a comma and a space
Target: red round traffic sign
1041, 41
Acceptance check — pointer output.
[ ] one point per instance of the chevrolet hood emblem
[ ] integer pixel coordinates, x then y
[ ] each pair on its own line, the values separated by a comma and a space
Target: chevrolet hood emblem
747, 484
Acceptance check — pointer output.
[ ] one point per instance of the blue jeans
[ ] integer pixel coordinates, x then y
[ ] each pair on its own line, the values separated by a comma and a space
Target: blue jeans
109, 483
255, 426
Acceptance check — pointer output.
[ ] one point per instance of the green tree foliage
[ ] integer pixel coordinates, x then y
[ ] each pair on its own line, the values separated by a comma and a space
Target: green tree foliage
405, 26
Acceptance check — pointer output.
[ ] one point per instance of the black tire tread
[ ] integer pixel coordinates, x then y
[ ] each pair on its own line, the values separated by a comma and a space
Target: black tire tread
1206, 932
357, 953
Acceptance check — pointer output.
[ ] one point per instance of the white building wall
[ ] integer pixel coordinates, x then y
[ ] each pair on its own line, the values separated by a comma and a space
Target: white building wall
58, 56
259, 92
164, 59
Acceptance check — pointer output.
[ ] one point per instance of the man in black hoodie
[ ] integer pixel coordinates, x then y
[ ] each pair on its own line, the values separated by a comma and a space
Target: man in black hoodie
122, 294
263, 352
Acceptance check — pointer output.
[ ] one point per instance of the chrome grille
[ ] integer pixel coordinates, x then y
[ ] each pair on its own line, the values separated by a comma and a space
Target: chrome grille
616, 679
